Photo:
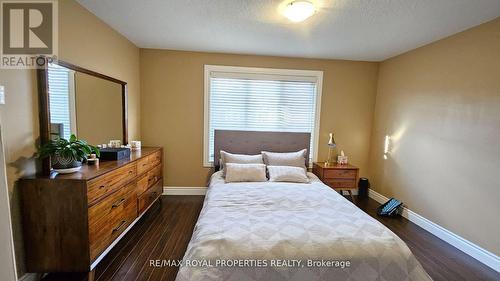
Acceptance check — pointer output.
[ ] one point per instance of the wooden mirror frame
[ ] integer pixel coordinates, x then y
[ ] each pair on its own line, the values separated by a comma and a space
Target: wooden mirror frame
44, 104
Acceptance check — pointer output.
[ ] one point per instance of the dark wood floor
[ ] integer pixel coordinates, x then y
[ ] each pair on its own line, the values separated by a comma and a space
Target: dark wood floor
164, 232
441, 260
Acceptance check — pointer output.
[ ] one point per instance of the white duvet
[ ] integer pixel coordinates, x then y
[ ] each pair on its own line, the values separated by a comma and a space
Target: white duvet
291, 231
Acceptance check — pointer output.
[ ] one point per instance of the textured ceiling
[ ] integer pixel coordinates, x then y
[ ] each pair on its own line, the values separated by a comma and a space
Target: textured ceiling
343, 29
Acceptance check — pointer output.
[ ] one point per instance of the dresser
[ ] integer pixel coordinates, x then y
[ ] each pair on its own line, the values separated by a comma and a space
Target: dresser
71, 221
338, 177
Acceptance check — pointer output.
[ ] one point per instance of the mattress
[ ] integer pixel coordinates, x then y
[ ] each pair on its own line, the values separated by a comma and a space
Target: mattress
291, 231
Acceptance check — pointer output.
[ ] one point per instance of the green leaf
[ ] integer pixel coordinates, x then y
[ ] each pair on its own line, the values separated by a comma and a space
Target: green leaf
72, 148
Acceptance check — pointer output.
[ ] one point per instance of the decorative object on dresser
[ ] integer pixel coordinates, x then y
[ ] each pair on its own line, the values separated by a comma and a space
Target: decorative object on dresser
71, 222
114, 153
115, 143
135, 145
336, 176
67, 155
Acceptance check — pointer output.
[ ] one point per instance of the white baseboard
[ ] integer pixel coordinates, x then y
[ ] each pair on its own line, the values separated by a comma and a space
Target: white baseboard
184, 190
377, 196
471, 249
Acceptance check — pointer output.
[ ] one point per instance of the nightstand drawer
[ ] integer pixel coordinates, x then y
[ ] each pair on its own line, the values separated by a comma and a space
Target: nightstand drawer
341, 183
339, 174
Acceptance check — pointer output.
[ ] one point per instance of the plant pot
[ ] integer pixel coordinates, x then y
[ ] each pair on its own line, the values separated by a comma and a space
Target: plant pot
65, 165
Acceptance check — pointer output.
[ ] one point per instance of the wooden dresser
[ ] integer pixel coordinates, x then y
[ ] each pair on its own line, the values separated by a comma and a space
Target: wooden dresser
338, 177
71, 221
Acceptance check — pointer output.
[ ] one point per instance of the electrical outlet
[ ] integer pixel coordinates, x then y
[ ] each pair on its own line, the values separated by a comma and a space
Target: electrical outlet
2, 94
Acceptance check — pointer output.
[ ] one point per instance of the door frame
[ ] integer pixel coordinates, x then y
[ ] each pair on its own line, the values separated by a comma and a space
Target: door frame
8, 270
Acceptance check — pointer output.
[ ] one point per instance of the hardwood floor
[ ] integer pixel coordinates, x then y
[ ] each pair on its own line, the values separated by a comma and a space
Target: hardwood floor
441, 260
164, 232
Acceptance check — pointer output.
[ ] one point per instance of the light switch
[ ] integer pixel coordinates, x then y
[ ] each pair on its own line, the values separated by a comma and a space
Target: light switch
2, 94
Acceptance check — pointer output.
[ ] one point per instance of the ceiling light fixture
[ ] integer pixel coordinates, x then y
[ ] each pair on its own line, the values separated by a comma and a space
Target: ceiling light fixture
300, 10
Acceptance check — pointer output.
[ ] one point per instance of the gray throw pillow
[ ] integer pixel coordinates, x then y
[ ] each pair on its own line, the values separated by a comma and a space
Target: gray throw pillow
226, 157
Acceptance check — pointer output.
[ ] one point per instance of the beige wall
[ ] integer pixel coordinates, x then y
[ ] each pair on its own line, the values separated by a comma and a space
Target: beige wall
86, 41
98, 105
439, 103
441, 106
83, 40
19, 117
172, 106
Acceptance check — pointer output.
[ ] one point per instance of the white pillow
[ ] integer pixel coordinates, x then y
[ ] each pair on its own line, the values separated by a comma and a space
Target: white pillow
226, 157
294, 159
288, 174
245, 172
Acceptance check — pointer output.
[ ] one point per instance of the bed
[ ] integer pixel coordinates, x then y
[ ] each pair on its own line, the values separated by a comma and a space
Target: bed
289, 231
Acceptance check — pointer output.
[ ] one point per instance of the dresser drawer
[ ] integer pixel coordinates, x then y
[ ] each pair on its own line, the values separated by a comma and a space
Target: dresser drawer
143, 165
106, 184
106, 217
110, 205
155, 158
154, 175
142, 183
339, 174
341, 183
148, 179
148, 197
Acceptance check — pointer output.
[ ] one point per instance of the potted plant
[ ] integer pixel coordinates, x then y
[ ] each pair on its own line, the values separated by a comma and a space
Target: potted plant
67, 155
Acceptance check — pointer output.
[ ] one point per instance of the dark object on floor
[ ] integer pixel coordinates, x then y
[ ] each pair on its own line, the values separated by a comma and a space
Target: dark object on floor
108, 154
363, 185
391, 208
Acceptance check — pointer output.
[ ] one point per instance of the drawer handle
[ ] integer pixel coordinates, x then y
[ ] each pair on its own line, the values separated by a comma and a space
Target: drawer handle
130, 172
102, 186
118, 227
144, 164
117, 204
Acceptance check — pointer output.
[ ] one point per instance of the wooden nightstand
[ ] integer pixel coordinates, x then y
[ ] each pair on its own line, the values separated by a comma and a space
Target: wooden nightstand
338, 177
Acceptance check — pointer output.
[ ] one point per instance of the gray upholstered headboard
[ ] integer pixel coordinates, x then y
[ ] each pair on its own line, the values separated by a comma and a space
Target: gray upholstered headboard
251, 142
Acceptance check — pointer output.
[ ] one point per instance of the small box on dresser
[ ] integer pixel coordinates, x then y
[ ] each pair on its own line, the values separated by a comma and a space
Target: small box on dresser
338, 177
71, 221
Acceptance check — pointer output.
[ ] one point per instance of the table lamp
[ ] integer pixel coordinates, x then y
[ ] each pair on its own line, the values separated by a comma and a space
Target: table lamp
331, 150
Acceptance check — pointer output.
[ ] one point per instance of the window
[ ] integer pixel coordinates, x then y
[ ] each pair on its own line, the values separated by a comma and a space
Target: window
261, 99
62, 100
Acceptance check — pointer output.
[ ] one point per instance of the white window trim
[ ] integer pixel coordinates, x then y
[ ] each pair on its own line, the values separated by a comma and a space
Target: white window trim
314, 74
72, 102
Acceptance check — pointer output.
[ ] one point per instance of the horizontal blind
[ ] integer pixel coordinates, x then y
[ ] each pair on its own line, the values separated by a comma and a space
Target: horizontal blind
261, 104
59, 97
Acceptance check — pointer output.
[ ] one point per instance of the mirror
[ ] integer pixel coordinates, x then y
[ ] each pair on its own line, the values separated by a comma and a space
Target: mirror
84, 105
74, 100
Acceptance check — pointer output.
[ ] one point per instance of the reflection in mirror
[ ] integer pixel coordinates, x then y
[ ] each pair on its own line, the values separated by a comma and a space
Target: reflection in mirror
87, 106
